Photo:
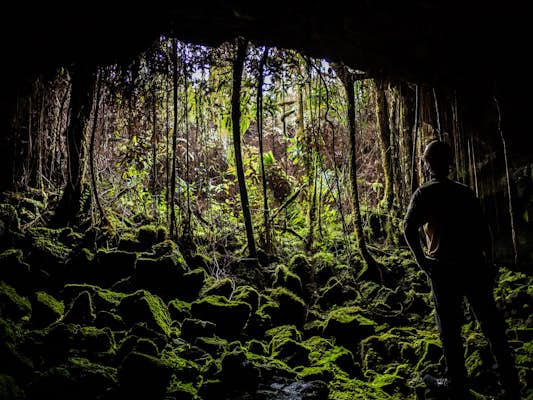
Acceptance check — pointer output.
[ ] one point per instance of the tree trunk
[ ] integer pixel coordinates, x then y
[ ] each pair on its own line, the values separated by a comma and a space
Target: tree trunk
238, 65
173, 227
81, 98
370, 266
259, 118
382, 113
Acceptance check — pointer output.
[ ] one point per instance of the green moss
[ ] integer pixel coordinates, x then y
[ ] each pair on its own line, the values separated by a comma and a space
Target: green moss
104, 299
323, 373
179, 310
9, 217
94, 339
142, 306
9, 390
291, 310
81, 310
147, 235
284, 277
220, 287
13, 269
348, 326
13, 305
230, 316
46, 309
248, 294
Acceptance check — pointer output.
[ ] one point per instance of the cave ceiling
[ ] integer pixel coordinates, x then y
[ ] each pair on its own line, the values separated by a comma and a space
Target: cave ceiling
449, 44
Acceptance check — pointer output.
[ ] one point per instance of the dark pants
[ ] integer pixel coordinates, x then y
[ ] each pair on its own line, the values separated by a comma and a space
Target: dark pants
451, 284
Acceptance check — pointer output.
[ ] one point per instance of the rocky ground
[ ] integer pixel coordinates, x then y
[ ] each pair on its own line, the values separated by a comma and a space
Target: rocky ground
140, 317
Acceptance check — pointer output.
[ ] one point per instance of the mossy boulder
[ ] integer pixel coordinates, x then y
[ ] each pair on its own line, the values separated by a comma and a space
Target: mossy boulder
238, 374
192, 328
348, 326
291, 352
284, 277
326, 354
142, 376
81, 310
189, 287
300, 265
46, 309
111, 266
14, 362
249, 295
161, 275
336, 293
9, 390
220, 287
179, 310
78, 378
142, 306
103, 299
289, 308
12, 304
13, 269
230, 316
110, 320
148, 235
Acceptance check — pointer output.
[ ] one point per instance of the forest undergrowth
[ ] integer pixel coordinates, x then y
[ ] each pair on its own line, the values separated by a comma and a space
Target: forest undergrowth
130, 313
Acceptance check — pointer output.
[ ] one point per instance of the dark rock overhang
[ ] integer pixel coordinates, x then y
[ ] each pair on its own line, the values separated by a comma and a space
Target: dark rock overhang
439, 42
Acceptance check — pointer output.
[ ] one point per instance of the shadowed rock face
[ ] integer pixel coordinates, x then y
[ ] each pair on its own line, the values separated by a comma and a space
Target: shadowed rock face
474, 48
435, 41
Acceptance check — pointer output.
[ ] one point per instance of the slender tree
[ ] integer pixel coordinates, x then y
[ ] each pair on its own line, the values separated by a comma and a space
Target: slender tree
173, 228
82, 82
92, 167
382, 113
259, 119
238, 66
371, 265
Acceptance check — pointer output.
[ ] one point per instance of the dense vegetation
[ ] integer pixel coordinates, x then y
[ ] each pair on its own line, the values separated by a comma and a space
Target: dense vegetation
209, 223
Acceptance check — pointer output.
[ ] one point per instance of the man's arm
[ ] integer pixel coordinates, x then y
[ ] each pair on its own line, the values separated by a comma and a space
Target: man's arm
412, 238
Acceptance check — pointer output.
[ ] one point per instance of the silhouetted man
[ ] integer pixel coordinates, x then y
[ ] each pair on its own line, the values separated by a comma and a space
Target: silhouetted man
457, 260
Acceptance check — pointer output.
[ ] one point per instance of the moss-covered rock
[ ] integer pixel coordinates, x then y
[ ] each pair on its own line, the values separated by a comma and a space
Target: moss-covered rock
348, 326
249, 295
142, 306
300, 265
79, 266
160, 276
192, 328
238, 374
325, 354
14, 270
78, 378
179, 309
103, 299
230, 316
324, 266
221, 287
111, 266
46, 309
189, 287
284, 277
147, 235
336, 293
142, 376
291, 352
12, 304
106, 319
290, 309
9, 390
81, 310
14, 362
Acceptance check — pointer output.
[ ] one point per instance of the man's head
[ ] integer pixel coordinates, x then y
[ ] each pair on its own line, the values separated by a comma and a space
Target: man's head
438, 156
